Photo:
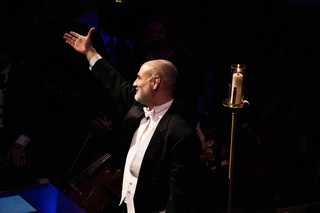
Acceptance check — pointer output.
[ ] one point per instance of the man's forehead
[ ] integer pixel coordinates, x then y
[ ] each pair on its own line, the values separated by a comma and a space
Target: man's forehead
144, 70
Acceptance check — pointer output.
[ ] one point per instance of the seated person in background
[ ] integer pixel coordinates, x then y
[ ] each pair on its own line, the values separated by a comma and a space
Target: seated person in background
207, 132
18, 108
214, 162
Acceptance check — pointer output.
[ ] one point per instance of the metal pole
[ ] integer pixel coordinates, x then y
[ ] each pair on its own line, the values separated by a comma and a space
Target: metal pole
231, 161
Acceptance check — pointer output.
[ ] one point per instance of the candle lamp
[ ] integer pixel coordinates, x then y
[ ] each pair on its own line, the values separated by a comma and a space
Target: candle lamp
236, 87
235, 101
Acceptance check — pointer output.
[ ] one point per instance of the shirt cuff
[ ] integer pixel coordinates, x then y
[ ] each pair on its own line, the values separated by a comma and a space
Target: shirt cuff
23, 140
93, 60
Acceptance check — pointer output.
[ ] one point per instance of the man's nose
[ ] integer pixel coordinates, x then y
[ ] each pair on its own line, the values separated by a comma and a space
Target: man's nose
134, 84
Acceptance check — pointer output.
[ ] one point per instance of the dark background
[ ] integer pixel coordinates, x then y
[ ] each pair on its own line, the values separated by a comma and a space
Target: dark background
277, 40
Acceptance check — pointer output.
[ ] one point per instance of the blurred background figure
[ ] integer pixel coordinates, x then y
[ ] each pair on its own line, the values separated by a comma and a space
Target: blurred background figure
160, 40
214, 162
19, 101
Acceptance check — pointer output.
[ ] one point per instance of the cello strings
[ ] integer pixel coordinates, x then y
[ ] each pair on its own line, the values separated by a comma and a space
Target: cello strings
90, 169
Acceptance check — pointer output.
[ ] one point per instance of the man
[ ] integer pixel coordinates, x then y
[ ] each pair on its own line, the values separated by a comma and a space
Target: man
18, 108
16, 103
160, 152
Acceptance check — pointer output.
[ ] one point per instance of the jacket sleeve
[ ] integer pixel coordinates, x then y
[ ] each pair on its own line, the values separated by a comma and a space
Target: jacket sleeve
114, 83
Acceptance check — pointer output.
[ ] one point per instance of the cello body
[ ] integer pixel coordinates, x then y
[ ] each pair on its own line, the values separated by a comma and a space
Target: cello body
95, 189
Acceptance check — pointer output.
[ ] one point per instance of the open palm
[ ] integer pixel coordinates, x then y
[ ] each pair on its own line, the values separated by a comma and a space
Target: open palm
80, 43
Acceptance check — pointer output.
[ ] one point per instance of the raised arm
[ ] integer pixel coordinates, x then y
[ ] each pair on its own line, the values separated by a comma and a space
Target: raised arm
80, 43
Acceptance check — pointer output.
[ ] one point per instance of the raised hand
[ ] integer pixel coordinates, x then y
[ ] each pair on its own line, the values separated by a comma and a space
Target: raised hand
101, 126
80, 43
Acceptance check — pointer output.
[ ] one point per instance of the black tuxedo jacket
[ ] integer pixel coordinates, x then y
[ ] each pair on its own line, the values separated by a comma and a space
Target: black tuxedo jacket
168, 177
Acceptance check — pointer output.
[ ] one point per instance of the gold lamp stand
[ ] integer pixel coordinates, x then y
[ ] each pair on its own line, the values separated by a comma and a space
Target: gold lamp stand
234, 102
234, 110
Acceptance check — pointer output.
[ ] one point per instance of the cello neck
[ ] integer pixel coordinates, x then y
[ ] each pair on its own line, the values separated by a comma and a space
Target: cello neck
91, 169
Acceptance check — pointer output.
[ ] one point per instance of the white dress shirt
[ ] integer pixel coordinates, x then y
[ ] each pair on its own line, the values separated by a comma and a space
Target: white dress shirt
93, 60
139, 144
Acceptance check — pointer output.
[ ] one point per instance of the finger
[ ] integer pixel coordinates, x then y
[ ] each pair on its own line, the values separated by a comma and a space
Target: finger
105, 119
69, 38
67, 35
18, 163
109, 124
74, 34
15, 160
23, 161
90, 32
8, 155
95, 122
20, 160
70, 43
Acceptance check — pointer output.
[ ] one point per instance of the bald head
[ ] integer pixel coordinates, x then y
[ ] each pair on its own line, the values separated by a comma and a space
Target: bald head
156, 82
166, 70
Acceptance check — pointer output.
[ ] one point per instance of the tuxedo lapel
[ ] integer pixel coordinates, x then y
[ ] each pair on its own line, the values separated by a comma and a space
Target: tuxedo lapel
160, 132
157, 138
134, 115
130, 124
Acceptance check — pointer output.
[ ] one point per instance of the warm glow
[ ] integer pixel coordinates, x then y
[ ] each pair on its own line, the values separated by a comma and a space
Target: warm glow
238, 67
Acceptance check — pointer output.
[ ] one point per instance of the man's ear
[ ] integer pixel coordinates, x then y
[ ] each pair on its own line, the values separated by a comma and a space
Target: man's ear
156, 83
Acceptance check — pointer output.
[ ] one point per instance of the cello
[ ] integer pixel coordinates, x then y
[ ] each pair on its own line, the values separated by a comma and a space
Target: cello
95, 189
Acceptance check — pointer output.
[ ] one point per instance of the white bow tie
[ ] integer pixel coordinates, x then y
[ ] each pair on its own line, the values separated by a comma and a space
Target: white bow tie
148, 113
